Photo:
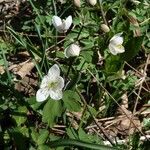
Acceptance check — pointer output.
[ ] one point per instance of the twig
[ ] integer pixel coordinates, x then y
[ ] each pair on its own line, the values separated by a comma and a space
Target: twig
116, 103
97, 133
54, 45
142, 138
134, 69
140, 88
95, 120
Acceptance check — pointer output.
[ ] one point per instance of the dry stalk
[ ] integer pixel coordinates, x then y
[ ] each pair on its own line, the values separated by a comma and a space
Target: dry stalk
142, 138
94, 119
123, 110
140, 88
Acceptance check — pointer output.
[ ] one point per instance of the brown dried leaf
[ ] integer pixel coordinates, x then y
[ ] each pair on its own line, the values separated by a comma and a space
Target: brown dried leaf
25, 69
134, 22
126, 126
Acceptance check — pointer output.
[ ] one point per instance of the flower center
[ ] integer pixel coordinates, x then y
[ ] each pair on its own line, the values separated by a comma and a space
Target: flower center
119, 46
52, 85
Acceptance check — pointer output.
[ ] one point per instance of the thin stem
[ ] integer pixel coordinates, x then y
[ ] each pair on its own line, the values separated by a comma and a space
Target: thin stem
6, 65
71, 142
139, 92
101, 128
117, 103
102, 12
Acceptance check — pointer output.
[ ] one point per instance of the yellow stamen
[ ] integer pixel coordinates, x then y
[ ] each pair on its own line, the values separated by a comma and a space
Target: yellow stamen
119, 46
52, 85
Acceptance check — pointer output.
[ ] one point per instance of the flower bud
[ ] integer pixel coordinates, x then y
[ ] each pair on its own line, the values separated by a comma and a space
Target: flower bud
72, 51
92, 2
77, 3
105, 28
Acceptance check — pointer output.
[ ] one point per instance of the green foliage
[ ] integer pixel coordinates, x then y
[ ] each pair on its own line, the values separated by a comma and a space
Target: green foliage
42, 137
72, 101
135, 141
94, 81
132, 47
51, 111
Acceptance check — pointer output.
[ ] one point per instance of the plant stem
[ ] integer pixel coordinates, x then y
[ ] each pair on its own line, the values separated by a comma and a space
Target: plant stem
71, 142
101, 128
102, 12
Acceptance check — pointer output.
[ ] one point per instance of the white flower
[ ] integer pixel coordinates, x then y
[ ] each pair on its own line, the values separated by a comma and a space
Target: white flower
115, 44
62, 25
52, 85
72, 51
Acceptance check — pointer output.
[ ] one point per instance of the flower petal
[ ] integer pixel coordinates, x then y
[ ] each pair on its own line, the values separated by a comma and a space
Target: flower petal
68, 22
115, 49
60, 82
44, 81
54, 71
42, 94
60, 28
56, 95
56, 21
117, 39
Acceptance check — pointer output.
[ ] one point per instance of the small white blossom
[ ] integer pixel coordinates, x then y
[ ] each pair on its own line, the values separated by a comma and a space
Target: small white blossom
51, 85
62, 25
72, 51
115, 44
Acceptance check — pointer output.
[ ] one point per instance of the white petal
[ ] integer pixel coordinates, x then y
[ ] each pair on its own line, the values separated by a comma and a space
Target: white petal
54, 71
114, 49
60, 28
66, 53
56, 95
60, 84
56, 21
117, 39
42, 95
68, 22
120, 49
44, 81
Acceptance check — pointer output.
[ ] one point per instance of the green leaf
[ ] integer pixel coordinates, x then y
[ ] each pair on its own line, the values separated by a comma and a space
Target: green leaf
113, 64
51, 111
132, 48
72, 133
20, 141
20, 115
71, 101
34, 134
44, 147
135, 141
43, 136
83, 136
76, 21
87, 55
